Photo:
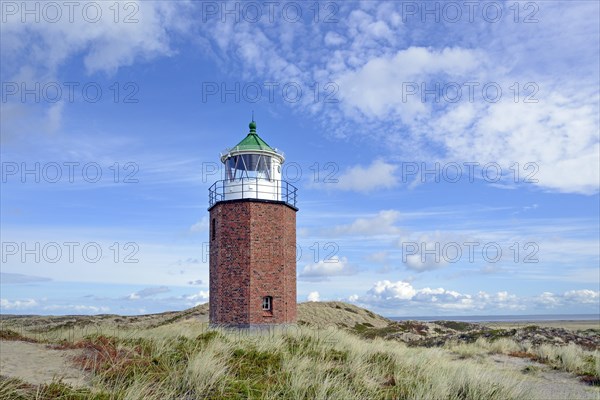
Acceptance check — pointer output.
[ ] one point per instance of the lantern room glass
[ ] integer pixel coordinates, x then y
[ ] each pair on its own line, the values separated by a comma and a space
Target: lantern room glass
252, 166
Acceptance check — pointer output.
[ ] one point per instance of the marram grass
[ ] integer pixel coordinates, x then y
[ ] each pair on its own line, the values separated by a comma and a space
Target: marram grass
302, 363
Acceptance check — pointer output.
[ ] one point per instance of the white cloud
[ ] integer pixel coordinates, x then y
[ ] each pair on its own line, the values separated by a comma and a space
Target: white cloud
380, 224
198, 298
387, 290
548, 299
148, 292
6, 304
313, 296
582, 296
402, 296
571, 297
34, 52
557, 136
428, 251
85, 309
371, 59
105, 45
333, 39
378, 175
333, 266
380, 88
423, 262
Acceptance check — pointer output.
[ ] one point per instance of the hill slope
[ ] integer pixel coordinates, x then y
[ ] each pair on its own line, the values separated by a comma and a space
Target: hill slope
336, 313
318, 314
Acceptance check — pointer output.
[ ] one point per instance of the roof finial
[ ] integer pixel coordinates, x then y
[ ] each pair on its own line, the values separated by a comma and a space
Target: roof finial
252, 124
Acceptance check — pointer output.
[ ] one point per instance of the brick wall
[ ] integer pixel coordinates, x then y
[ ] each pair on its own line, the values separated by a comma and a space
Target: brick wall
252, 255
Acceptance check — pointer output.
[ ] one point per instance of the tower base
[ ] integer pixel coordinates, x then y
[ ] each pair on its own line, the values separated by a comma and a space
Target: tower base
252, 257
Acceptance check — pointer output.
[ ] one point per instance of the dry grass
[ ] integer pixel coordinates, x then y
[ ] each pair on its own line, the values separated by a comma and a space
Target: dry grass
302, 363
338, 314
569, 358
177, 356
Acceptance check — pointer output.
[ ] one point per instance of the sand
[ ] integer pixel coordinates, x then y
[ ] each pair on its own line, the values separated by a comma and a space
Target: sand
35, 363
564, 324
544, 382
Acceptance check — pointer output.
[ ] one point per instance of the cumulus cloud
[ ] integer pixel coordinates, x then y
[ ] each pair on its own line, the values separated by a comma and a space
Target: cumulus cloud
313, 296
582, 296
376, 176
571, 297
322, 270
198, 298
402, 296
387, 290
6, 304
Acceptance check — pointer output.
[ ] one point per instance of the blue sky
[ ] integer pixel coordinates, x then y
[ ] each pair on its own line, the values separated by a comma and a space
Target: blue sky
113, 122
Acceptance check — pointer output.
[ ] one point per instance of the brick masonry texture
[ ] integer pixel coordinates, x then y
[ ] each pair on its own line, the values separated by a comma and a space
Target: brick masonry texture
252, 255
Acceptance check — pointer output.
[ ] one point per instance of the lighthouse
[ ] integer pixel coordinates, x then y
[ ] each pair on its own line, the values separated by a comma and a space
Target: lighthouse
252, 238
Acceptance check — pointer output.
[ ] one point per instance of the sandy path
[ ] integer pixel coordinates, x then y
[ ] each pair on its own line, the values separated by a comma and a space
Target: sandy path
35, 363
547, 384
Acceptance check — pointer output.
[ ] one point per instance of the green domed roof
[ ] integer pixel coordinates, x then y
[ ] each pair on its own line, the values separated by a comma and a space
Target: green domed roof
252, 141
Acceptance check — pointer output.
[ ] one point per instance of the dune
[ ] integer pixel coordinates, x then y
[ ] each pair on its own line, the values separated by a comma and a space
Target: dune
362, 355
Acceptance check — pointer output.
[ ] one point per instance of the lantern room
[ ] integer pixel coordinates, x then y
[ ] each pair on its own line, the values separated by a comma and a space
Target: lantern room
252, 170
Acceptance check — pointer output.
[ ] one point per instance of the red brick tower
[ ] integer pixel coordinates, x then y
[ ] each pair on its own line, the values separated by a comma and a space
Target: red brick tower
252, 238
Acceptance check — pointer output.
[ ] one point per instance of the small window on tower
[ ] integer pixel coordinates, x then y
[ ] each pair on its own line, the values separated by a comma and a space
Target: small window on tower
213, 229
267, 303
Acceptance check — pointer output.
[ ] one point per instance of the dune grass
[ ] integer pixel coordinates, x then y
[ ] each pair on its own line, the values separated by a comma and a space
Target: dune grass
177, 362
167, 356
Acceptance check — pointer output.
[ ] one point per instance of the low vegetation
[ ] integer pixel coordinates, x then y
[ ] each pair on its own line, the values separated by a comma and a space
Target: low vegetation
365, 356
568, 358
300, 364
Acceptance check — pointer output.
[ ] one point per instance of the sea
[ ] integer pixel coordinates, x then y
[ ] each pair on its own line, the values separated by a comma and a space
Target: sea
503, 318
